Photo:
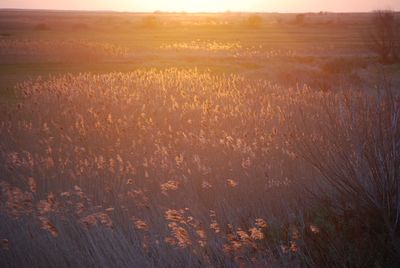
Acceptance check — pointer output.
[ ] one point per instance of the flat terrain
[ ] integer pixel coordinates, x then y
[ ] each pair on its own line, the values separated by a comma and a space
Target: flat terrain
284, 48
197, 140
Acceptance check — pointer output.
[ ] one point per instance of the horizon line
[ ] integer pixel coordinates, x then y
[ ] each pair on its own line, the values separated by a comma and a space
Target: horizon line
183, 11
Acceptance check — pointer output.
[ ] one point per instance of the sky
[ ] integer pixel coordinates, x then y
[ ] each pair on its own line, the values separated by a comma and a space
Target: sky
207, 5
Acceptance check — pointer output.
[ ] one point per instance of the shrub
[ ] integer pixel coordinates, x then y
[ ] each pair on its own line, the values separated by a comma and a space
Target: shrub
384, 38
254, 21
80, 26
300, 19
353, 142
150, 22
42, 27
343, 66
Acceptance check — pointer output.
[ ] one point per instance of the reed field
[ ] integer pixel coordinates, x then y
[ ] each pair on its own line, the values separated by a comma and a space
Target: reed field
197, 140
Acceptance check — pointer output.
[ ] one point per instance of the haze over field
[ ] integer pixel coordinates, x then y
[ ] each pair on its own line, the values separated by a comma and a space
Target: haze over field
206, 5
199, 139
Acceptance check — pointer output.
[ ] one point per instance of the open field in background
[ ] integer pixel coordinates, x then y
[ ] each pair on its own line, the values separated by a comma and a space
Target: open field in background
196, 140
318, 51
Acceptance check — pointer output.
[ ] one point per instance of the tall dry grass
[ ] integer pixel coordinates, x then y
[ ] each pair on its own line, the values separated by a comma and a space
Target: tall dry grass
185, 168
353, 142
16, 51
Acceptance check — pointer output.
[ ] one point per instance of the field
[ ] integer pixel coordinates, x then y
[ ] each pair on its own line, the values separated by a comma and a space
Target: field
197, 140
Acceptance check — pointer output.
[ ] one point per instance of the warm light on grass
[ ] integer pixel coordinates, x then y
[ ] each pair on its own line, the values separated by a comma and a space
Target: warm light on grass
198, 139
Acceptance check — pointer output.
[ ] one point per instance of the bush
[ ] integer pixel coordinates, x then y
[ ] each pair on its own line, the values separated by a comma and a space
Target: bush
254, 21
343, 66
80, 26
42, 27
150, 22
384, 38
300, 19
353, 143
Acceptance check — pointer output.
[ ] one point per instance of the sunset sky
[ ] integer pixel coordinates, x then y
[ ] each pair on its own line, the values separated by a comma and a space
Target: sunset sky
205, 5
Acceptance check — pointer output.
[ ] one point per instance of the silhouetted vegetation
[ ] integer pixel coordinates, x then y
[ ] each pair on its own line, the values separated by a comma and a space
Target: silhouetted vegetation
254, 21
80, 26
42, 27
385, 35
150, 22
354, 146
300, 19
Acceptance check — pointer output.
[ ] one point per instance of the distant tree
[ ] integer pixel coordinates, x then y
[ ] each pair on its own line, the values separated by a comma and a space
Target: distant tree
80, 26
384, 35
254, 21
300, 19
42, 27
150, 22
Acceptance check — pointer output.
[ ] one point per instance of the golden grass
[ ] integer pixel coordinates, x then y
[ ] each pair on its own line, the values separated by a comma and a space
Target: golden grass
203, 164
